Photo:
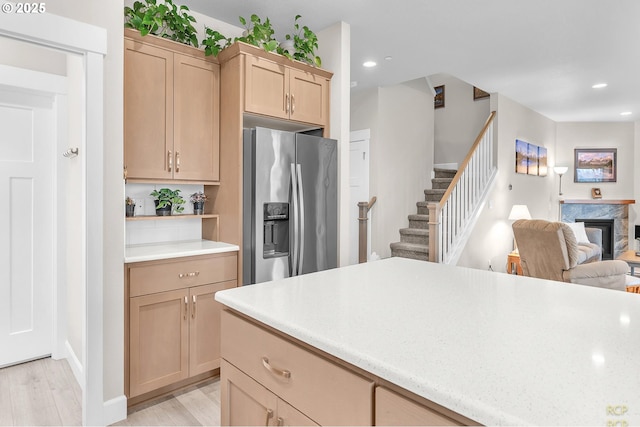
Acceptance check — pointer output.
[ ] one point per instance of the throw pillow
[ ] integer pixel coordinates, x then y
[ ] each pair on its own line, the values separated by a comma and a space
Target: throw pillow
579, 232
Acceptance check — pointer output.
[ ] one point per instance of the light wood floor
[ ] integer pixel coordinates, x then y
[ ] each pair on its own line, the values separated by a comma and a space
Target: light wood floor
44, 392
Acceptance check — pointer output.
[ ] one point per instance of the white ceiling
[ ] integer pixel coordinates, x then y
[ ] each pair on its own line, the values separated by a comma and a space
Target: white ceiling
545, 54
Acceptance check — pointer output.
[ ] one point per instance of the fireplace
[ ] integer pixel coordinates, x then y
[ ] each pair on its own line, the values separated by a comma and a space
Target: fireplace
607, 227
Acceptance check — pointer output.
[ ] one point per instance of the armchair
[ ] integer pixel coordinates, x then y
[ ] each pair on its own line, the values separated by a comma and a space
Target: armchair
549, 250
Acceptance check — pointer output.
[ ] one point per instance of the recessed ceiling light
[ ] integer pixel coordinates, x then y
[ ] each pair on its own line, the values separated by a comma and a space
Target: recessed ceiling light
599, 85
626, 113
388, 58
369, 64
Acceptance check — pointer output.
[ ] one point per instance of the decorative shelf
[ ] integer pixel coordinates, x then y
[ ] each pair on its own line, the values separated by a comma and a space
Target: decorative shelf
170, 217
598, 202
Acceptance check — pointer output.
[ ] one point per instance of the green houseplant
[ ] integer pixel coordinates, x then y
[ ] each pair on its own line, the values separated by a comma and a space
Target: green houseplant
167, 201
164, 19
305, 43
258, 33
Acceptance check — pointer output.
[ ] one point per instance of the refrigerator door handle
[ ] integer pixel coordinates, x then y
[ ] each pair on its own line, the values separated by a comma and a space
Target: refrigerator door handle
294, 200
301, 197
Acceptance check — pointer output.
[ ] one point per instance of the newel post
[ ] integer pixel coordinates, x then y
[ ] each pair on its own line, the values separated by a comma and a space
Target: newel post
434, 238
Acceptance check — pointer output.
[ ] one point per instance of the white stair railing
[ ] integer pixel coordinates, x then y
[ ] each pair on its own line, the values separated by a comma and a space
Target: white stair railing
452, 219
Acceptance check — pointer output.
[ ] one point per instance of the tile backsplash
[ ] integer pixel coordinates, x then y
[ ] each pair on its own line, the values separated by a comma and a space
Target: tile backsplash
151, 231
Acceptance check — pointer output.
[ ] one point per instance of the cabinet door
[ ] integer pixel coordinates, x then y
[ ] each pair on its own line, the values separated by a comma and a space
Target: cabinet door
309, 97
148, 111
287, 415
244, 402
204, 329
395, 410
266, 88
158, 340
196, 119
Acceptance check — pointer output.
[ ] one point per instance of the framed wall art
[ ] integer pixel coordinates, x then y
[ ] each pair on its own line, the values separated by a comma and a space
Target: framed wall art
595, 165
479, 93
438, 100
530, 159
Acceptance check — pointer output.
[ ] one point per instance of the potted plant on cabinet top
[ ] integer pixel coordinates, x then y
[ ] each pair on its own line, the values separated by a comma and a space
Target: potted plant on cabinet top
130, 206
301, 45
167, 201
164, 19
198, 198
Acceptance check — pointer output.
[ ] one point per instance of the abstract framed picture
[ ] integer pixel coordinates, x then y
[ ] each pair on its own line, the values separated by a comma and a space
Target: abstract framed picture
542, 161
532, 159
438, 100
595, 165
522, 151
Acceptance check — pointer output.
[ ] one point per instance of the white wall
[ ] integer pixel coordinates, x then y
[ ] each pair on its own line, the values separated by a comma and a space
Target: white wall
620, 135
492, 237
401, 121
32, 57
634, 210
458, 123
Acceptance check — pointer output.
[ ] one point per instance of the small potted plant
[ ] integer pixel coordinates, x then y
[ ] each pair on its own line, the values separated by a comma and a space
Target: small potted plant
130, 206
167, 201
198, 198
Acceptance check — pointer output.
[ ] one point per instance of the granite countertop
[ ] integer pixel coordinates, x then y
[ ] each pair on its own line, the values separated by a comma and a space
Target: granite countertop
166, 250
499, 349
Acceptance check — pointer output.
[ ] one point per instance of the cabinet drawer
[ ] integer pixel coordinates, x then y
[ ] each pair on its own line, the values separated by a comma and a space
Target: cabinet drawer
395, 410
178, 273
325, 392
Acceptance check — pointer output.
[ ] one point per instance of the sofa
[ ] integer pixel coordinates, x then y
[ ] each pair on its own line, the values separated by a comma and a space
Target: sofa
550, 250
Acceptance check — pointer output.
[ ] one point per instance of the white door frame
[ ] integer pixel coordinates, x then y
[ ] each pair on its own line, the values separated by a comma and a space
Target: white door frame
91, 42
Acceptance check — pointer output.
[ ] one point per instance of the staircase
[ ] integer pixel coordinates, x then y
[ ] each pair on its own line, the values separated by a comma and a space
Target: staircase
414, 240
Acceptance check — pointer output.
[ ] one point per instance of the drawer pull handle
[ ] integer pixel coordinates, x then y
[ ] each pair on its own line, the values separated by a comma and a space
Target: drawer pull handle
191, 274
269, 416
186, 307
193, 312
280, 421
281, 373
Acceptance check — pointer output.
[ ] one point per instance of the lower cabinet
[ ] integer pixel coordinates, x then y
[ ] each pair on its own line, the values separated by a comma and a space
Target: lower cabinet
250, 404
393, 409
174, 334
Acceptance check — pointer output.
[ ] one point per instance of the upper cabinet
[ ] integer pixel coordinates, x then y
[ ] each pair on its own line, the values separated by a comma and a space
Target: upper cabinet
277, 87
171, 112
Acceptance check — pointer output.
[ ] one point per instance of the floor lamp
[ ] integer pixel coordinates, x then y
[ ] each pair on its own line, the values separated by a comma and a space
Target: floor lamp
518, 212
560, 170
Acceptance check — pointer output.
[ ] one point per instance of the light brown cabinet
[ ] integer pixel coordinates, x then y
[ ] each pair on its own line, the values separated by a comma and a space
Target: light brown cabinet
314, 387
393, 409
280, 91
171, 112
250, 404
173, 320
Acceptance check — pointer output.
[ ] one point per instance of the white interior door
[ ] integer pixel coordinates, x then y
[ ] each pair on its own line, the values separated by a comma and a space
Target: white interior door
27, 141
359, 188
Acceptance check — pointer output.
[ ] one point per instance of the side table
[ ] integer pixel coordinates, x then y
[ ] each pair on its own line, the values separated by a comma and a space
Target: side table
514, 259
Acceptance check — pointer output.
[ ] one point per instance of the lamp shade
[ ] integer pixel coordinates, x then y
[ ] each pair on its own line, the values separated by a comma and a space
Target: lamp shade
519, 212
560, 170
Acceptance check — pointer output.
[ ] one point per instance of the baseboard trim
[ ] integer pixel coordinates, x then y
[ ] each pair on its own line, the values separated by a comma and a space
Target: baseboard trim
114, 410
76, 366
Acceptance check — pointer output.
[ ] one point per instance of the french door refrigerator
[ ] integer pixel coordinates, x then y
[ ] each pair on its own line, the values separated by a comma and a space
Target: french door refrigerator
290, 204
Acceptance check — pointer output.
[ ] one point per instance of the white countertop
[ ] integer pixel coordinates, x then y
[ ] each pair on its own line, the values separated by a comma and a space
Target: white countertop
165, 250
497, 348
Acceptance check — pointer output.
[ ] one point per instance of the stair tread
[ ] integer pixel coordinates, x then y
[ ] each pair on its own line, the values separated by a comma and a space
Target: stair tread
445, 170
424, 204
441, 179
418, 217
435, 191
410, 247
415, 231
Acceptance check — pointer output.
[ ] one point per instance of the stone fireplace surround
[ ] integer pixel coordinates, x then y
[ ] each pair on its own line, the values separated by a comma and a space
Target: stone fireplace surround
618, 210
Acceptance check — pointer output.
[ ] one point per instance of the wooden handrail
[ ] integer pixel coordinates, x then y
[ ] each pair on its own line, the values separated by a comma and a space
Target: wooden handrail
372, 202
465, 162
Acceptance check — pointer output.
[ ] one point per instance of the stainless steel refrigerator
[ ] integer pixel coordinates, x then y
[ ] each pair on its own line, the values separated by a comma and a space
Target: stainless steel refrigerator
290, 204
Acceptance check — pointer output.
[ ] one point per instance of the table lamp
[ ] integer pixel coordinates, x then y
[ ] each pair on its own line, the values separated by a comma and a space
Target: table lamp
518, 212
560, 170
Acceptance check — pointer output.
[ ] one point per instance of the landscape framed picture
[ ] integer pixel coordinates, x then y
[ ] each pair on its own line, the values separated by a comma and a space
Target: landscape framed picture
595, 165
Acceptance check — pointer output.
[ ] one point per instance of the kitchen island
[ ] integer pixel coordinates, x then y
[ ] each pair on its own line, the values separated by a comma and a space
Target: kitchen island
493, 348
